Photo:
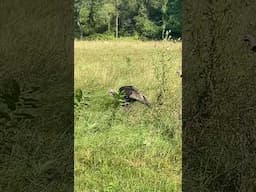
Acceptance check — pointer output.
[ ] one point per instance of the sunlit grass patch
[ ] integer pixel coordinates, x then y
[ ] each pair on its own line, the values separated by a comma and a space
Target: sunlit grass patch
128, 150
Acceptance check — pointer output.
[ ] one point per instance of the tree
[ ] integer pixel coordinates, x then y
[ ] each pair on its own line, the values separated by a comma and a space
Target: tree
108, 10
164, 17
147, 21
218, 96
77, 25
173, 17
117, 16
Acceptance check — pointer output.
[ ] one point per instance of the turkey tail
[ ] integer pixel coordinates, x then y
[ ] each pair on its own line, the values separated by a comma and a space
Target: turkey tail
145, 101
140, 98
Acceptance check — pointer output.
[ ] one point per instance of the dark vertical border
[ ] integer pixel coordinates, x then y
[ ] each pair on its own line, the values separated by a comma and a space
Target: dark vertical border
36, 95
218, 95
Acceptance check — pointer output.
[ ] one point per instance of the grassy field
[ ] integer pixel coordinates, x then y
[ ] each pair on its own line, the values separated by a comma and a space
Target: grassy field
131, 150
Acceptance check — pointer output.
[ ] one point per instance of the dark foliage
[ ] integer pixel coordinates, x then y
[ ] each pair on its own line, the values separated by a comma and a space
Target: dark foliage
145, 19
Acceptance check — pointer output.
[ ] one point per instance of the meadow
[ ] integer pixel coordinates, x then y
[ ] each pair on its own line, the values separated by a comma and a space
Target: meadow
120, 150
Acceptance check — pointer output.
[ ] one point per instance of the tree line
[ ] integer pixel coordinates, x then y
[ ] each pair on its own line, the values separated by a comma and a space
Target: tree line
145, 19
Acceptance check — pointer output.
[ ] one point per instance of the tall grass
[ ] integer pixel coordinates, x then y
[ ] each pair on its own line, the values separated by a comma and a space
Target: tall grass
138, 149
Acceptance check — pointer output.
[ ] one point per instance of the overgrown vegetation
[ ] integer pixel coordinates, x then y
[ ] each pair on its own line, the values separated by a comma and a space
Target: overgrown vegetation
121, 18
135, 149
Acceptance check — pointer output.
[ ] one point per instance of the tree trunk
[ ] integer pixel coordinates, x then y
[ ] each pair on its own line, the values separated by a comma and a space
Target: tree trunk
219, 70
117, 18
109, 24
80, 30
163, 31
117, 21
164, 10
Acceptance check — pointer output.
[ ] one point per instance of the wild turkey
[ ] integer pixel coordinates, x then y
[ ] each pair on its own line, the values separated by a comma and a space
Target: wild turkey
128, 95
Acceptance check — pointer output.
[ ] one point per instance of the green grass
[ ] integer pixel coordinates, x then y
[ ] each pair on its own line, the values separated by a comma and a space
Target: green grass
127, 150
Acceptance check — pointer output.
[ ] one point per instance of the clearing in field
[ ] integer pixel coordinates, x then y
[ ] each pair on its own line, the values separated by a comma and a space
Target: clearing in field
127, 150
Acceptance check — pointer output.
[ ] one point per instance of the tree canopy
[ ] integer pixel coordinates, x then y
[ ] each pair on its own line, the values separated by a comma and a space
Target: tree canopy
145, 19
